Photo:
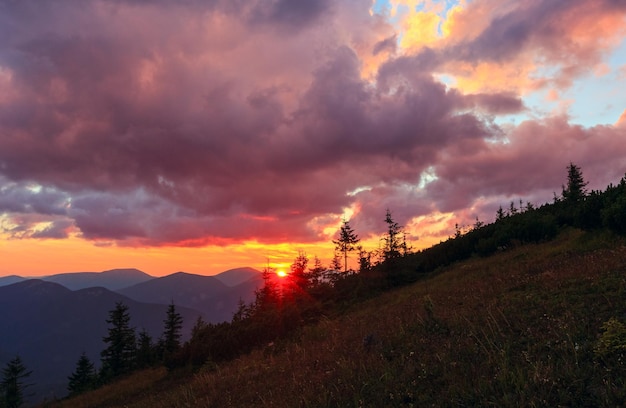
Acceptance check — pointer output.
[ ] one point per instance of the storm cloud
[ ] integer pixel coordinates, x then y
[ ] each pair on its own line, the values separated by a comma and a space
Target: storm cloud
195, 123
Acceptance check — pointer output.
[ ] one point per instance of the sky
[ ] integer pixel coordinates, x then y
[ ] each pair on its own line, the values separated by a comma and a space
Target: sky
201, 136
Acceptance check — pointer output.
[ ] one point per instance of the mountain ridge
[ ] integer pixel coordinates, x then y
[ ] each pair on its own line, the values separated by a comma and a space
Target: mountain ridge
121, 278
208, 294
112, 279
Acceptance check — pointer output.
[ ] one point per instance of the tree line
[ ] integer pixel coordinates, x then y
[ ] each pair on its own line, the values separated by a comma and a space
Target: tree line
125, 352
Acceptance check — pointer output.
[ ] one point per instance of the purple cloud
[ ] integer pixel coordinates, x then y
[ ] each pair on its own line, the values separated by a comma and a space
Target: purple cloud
192, 123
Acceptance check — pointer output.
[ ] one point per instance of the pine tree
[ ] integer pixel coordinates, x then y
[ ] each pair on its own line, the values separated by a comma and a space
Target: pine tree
119, 356
392, 238
500, 215
576, 184
171, 333
201, 325
316, 271
242, 313
298, 277
478, 224
512, 209
268, 296
146, 350
84, 378
365, 259
335, 263
347, 242
12, 384
267, 309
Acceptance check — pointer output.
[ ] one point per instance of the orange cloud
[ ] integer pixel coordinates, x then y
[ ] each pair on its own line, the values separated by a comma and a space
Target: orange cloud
420, 29
465, 22
494, 76
542, 39
621, 122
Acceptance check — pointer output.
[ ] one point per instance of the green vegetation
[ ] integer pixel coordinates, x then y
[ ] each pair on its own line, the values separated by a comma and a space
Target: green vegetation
526, 311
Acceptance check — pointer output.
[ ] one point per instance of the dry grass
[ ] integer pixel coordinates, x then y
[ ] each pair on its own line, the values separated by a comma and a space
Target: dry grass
134, 387
515, 329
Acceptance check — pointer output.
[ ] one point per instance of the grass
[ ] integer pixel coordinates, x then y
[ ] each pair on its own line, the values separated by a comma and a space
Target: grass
520, 328
133, 387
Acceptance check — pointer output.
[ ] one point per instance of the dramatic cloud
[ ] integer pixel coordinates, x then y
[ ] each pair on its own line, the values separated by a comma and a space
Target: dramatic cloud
196, 123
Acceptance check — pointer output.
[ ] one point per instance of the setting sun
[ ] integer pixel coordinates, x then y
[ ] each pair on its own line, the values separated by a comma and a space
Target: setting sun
281, 273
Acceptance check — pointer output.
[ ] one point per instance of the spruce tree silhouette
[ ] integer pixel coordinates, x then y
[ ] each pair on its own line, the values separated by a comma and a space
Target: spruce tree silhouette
171, 333
392, 238
347, 242
576, 184
119, 356
12, 384
84, 378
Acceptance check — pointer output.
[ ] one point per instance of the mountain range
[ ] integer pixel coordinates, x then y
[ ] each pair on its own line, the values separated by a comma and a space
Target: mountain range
49, 322
116, 279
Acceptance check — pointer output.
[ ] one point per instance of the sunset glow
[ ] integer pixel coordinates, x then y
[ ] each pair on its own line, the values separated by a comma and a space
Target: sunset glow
199, 136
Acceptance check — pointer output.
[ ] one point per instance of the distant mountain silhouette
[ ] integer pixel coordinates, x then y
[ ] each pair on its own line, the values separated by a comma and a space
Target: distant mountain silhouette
224, 305
234, 277
50, 321
182, 288
11, 279
207, 294
49, 326
113, 279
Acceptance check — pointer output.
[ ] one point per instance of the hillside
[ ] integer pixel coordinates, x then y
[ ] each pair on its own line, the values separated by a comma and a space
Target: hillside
49, 326
522, 327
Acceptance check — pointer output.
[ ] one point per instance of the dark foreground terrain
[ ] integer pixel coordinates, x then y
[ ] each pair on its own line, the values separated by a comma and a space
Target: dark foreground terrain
535, 325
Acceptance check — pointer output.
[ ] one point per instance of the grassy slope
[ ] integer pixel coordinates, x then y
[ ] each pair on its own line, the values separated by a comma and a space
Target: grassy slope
515, 329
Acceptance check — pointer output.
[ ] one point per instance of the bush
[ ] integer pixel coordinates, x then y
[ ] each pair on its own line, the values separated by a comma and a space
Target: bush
611, 346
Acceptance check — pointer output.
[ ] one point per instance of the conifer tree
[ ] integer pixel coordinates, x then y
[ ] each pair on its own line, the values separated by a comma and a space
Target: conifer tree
268, 296
298, 277
266, 311
201, 325
365, 259
347, 242
392, 238
171, 333
500, 215
12, 384
119, 356
576, 184
146, 350
316, 271
335, 263
84, 378
242, 313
